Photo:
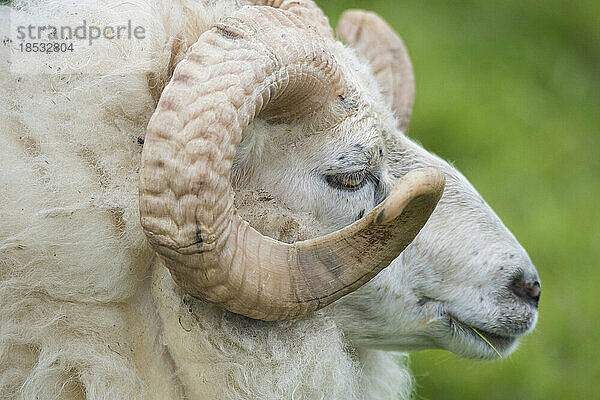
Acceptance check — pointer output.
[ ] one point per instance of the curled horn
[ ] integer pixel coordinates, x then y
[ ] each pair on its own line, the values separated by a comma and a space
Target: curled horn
259, 59
374, 40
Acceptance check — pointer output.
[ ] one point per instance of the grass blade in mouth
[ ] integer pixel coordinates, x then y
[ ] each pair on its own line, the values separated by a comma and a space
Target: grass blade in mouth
487, 341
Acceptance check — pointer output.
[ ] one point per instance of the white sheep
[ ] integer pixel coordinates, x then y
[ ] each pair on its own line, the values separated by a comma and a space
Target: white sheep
88, 309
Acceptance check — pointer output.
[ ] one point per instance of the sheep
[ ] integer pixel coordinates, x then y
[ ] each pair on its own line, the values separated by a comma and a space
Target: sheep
88, 308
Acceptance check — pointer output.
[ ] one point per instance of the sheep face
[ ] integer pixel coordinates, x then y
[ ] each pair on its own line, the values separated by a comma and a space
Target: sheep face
464, 270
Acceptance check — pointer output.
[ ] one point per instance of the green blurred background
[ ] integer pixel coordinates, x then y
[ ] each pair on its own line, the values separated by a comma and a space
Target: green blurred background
510, 92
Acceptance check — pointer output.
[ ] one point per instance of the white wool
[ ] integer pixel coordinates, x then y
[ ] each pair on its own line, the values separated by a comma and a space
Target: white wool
86, 310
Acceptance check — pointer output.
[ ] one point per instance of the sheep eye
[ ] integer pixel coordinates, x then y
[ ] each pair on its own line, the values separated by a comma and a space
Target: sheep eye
347, 181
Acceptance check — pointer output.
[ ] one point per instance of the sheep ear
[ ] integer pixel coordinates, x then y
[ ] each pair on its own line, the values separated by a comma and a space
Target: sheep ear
376, 42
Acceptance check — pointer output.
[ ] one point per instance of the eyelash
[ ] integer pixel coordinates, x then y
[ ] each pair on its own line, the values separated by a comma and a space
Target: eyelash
350, 182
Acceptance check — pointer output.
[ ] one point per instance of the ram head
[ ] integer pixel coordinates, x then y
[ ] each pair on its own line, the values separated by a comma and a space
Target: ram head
277, 178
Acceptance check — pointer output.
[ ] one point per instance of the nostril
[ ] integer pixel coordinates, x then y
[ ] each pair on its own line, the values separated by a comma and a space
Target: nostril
533, 288
527, 289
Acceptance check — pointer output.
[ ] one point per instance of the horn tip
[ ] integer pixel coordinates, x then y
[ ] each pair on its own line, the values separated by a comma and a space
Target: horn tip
426, 183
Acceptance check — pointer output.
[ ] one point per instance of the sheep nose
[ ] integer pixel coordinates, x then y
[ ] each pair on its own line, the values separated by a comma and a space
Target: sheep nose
528, 289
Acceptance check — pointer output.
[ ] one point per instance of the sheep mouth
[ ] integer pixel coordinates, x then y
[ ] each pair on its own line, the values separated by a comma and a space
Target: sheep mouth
463, 328
472, 341
494, 345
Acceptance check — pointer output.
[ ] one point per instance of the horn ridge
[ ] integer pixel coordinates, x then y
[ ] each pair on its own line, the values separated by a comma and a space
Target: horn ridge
305, 9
